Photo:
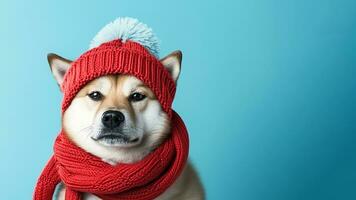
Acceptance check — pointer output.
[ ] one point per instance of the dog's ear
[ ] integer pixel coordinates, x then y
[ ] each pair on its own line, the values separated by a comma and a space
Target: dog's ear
59, 66
172, 62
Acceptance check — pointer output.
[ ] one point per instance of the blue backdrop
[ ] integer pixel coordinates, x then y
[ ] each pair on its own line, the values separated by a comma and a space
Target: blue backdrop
267, 89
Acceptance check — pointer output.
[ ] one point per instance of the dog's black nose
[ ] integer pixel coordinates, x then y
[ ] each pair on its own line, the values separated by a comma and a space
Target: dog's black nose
112, 118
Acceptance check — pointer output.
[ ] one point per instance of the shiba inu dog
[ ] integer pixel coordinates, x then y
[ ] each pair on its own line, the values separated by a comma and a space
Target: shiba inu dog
118, 119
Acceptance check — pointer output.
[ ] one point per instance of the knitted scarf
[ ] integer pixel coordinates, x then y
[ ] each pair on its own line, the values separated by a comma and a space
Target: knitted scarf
144, 180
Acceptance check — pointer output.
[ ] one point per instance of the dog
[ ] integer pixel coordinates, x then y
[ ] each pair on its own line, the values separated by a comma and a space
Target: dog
118, 119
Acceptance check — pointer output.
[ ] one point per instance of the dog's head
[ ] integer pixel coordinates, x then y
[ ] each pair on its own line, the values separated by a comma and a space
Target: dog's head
116, 117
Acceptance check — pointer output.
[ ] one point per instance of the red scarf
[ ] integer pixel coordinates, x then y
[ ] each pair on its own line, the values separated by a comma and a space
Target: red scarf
145, 180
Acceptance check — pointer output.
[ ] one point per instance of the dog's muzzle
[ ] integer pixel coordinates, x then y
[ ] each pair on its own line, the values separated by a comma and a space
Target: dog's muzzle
111, 131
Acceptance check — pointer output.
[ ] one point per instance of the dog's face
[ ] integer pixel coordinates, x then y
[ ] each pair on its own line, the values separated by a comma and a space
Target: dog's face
116, 117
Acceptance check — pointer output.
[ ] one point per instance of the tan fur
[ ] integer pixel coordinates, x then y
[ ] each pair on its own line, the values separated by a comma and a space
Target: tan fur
144, 120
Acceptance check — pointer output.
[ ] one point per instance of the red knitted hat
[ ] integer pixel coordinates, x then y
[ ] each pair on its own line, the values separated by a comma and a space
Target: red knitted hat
125, 53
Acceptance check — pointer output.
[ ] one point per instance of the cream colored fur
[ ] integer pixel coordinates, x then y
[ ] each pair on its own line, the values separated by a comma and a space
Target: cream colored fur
145, 121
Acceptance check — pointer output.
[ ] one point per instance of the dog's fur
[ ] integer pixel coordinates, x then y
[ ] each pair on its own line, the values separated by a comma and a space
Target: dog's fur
145, 126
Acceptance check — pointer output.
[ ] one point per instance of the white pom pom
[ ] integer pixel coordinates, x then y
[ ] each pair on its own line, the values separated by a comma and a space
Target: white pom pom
126, 28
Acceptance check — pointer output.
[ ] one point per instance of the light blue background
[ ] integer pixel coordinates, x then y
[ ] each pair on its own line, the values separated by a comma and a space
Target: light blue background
267, 89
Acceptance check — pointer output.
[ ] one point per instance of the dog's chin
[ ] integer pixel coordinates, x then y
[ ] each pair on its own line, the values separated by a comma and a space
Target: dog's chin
115, 140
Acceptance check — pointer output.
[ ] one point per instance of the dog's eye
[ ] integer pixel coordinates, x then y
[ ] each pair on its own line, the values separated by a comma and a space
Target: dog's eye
136, 97
96, 96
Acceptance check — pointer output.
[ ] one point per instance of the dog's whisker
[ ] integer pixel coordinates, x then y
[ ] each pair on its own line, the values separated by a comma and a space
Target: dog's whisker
88, 128
84, 129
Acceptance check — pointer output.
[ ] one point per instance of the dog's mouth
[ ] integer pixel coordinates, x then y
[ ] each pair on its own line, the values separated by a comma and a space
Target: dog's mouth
116, 139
